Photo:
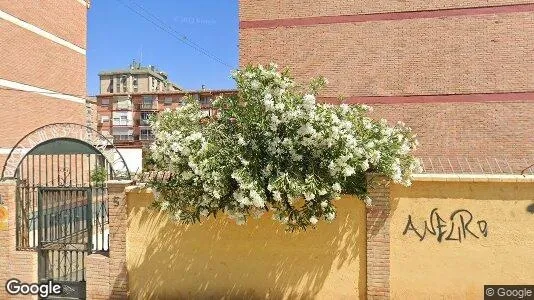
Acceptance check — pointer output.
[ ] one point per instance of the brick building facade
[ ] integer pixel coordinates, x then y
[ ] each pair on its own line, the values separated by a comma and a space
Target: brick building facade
43, 69
459, 74
124, 117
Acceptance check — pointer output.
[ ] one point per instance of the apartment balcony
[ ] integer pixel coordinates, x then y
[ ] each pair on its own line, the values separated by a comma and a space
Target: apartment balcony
123, 138
148, 106
146, 137
123, 123
122, 107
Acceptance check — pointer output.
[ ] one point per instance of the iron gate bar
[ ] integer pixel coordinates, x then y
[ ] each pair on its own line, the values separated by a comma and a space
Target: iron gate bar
62, 252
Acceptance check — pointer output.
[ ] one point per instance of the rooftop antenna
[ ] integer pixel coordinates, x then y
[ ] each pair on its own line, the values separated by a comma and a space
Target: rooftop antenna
141, 56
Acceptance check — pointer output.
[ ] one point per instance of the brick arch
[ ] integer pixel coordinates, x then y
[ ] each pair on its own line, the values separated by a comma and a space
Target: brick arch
65, 131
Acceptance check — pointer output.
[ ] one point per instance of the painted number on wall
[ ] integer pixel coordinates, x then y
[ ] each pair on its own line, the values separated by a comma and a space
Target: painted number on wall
459, 226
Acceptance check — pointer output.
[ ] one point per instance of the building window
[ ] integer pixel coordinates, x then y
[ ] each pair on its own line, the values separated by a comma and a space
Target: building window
117, 86
205, 100
104, 102
124, 83
168, 101
110, 87
122, 103
148, 102
135, 83
104, 119
122, 118
145, 117
146, 134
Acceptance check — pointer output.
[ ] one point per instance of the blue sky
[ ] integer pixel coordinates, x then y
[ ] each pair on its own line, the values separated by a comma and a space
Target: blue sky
116, 35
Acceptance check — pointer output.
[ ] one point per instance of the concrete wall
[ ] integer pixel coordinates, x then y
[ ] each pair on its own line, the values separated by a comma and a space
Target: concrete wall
458, 269
260, 260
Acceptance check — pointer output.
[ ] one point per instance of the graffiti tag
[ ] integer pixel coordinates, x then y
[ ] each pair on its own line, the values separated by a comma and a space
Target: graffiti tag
459, 226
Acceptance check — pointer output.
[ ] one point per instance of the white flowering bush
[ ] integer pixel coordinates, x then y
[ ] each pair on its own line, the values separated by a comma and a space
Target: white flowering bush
272, 147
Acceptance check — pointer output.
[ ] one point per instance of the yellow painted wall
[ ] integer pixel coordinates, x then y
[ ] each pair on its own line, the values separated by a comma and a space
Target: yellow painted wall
259, 260
449, 269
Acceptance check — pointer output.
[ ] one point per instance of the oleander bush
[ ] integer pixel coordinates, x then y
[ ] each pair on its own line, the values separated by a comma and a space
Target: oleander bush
272, 147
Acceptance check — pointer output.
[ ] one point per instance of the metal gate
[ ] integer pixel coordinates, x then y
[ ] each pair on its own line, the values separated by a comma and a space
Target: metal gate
65, 237
61, 197
62, 213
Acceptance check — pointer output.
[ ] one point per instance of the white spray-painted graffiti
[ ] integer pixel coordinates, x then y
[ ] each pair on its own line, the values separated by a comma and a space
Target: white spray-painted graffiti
461, 226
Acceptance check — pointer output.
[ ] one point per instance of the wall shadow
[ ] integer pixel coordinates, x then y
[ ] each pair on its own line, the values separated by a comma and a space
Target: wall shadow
221, 260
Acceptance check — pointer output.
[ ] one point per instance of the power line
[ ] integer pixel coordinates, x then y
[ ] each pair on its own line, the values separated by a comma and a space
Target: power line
154, 20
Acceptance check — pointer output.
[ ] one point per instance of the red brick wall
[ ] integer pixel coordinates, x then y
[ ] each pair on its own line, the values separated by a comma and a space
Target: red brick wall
66, 19
25, 112
456, 55
16, 264
500, 130
118, 222
378, 238
383, 57
31, 59
97, 276
281, 9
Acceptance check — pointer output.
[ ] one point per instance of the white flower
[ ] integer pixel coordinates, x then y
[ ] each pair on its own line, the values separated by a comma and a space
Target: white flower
177, 215
268, 102
277, 196
309, 196
274, 122
322, 192
240, 197
308, 101
330, 216
336, 187
255, 84
324, 204
296, 157
348, 171
306, 129
256, 199
367, 108
186, 175
313, 220
365, 165
244, 161
164, 205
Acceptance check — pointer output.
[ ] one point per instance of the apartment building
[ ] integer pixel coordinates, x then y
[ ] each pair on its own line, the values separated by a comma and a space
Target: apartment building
125, 117
43, 66
460, 74
136, 79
